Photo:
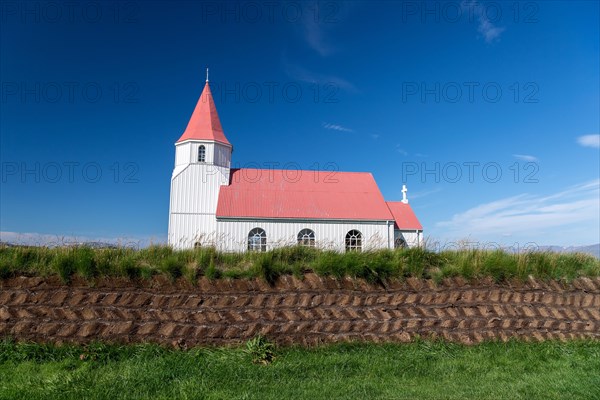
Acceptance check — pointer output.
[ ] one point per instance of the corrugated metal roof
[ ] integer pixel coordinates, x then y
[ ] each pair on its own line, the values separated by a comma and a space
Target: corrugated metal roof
267, 193
204, 123
404, 216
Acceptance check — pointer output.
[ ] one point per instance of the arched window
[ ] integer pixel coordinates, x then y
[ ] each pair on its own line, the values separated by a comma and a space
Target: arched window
201, 153
257, 240
197, 245
353, 240
306, 237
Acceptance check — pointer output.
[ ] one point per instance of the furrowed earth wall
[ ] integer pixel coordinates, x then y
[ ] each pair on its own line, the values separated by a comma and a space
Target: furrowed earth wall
308, 311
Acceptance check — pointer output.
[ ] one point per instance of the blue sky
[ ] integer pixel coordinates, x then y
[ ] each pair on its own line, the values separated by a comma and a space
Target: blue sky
488, 111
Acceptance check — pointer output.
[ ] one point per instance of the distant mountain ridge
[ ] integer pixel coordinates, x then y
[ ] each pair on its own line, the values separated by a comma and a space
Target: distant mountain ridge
593, 249
93, 245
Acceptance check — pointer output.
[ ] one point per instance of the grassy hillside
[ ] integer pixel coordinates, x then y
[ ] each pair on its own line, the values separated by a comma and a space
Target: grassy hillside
420, 370
373, 266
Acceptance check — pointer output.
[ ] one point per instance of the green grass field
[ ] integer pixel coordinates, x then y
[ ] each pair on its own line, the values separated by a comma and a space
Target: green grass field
419, 370
374, 266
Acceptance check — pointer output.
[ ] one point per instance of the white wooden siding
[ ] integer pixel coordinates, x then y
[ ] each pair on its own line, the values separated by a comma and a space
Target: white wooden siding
187, 229
412, 238
232, 235
216, 153
194, 195
222, 155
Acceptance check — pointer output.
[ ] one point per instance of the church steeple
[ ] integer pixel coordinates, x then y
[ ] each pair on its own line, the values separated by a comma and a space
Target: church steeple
202, 166
204, 123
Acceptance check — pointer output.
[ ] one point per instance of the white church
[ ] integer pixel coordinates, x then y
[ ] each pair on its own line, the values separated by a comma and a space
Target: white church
246, 209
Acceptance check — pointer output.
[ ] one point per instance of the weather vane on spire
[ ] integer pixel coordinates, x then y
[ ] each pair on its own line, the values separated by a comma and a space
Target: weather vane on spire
206, 74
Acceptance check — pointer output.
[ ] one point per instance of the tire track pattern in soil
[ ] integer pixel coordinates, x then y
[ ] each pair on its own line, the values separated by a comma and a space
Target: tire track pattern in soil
309, 311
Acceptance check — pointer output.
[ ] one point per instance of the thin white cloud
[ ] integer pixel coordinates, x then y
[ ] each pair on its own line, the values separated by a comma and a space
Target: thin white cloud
530, 215
401, 150
589, 141
314, 32
329, 83
375, 136
424, 193
489, 31
525, 157
486, 28
320, 19
336, 127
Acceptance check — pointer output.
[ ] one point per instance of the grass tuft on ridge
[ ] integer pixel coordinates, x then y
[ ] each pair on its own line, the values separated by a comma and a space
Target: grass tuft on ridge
375, 266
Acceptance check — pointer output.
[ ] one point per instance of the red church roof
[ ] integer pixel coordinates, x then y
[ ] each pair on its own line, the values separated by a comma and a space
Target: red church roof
204, 123
404, 216
267, 193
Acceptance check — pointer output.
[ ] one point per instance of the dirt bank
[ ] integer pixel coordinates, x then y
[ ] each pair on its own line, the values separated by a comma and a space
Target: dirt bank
308, 311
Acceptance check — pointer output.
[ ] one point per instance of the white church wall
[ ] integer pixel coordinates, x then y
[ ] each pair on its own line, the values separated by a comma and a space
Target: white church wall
185, 230
194, 195
412, 238
232, 234
215, 153
222, 155
196, 188
183, 154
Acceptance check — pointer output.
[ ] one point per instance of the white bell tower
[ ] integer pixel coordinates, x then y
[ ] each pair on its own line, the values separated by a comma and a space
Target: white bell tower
202, 166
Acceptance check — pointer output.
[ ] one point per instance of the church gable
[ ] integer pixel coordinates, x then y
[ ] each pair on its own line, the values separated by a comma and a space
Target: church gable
404, 216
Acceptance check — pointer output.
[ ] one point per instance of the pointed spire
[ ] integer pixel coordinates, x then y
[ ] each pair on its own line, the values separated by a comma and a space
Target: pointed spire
204, 123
